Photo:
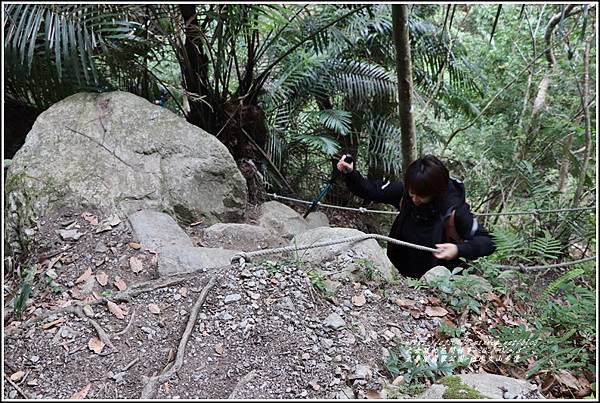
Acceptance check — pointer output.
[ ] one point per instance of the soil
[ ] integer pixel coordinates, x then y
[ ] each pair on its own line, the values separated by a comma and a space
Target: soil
263, 331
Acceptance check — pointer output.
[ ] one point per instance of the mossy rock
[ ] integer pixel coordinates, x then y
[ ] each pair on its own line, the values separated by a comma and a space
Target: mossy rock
456, 389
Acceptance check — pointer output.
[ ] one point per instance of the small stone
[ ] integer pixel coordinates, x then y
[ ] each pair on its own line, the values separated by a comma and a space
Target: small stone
177, 297
70, 234
232, 298
52, 274
314, 384
35, 359
305, 356
334, 321
88, 311
226, 316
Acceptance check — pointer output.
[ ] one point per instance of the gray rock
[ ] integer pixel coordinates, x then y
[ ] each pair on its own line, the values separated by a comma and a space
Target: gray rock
173, 260
436, 274
232, 298
334, 321
490, 385
155, 230
281, 219
367, 249
317, 219
120, 153
70, 234
240, 236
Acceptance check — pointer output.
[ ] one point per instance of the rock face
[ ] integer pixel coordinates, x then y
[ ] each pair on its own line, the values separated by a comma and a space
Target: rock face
281, 219
489, 385
120, 153
359, 255
245, 237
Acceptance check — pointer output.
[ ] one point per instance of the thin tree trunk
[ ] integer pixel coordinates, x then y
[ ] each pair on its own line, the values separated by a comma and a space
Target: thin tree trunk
564, 165
586, 113
540, 99
403, 66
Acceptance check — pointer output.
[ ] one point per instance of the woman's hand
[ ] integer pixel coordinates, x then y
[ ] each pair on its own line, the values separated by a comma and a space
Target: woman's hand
446, 251
343, 166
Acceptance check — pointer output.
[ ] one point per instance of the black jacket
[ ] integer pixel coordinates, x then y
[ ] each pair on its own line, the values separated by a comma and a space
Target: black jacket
424, 224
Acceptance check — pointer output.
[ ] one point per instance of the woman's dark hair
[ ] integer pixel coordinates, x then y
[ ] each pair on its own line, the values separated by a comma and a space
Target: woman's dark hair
426, 176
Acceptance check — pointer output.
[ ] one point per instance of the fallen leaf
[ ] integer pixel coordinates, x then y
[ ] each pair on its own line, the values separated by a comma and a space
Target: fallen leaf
167, 387
96, 345
86, 274
154, 308
120, 284
92, 219
219, 349
135, 245
435, 311
17, 376
102, 278
373, 394
183, 291
135, 264
82, 393
115, 310
567, 379
434, 300
48, 325
359, 300
103, 228
415, 313
405, 303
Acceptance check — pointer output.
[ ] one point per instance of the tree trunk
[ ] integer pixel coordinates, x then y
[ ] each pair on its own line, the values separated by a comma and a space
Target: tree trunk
403, 66
586, 113
564, 165
195, 73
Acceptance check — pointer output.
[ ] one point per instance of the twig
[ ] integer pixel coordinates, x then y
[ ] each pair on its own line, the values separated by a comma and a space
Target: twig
236, 390
128, 325
14, 385
131, 364
150, 383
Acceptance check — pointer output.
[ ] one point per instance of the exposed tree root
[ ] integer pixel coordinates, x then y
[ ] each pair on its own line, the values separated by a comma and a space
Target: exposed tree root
235, 394
101, 332
150, 383
128, 325
17, 388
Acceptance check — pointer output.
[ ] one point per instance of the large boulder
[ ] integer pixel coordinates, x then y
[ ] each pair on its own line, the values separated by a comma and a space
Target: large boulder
120, 153
356, 257
481, 386
244, 237
281, 219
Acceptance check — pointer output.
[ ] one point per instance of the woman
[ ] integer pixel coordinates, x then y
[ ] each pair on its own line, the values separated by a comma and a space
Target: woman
432, 213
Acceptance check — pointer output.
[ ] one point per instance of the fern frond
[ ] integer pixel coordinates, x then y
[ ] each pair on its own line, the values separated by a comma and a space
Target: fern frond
560, 283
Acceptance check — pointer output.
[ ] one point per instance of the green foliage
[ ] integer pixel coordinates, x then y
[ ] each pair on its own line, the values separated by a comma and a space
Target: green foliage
272, 267
462, 291
450, 331
563, 329
20, 302
417, 365
367, 267
317, 280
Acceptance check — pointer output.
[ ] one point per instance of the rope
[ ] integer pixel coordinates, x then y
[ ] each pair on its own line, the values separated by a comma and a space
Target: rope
364, 210
247, 256
242, 257
550, 266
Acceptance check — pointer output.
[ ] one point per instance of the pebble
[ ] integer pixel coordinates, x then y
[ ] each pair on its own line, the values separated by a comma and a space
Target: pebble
35, 358
232, 298
334, 321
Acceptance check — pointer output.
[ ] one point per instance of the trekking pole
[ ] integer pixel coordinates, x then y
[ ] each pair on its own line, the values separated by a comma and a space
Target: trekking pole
327, 187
